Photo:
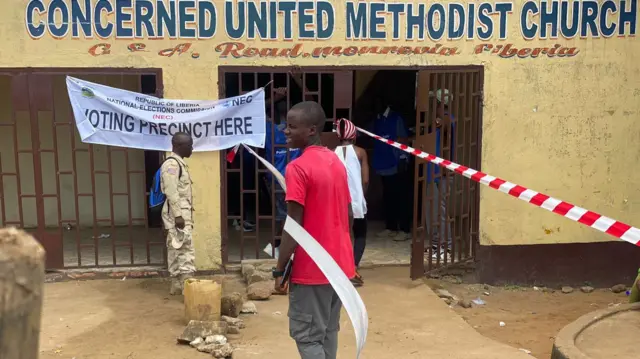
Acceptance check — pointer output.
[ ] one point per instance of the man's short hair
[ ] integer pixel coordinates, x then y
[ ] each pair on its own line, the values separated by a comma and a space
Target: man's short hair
311, 112
180, 137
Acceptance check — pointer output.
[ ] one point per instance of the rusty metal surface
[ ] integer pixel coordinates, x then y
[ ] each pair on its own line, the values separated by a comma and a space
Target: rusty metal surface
242, 197
462, 197
32, 92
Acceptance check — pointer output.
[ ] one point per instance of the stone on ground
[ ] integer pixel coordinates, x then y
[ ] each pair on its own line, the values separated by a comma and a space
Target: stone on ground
260, 290
586, 289
249, 308
619, 288
196, 342
259, 276
232, 304
567, 290
233, 330
233, 322
198, 329
247, 270
465, 303
265, 267
222, 351
443, 293
216, 339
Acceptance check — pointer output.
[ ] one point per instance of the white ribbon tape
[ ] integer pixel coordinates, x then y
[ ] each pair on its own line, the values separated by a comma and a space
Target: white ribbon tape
347, 293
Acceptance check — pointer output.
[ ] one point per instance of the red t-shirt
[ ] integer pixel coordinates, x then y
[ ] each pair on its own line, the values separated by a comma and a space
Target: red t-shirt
318, 181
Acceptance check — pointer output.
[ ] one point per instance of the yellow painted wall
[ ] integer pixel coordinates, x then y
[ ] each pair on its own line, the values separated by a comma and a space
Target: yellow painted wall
564, 126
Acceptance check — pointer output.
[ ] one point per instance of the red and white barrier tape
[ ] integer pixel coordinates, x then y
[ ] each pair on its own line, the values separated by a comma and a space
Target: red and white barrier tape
565, 209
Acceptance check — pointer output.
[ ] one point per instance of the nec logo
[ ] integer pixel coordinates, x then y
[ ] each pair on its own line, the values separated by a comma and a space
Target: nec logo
162, 117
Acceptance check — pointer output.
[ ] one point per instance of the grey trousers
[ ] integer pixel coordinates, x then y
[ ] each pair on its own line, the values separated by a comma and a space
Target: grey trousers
440, 203
314, 320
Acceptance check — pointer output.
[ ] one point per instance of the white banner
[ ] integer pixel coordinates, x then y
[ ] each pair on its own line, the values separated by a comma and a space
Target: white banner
109, 116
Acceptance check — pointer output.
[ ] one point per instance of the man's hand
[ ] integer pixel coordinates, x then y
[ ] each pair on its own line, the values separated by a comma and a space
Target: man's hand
280, 290
180, 222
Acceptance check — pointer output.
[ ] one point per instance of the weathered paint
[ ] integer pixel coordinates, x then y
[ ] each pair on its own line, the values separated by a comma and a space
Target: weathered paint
561, 97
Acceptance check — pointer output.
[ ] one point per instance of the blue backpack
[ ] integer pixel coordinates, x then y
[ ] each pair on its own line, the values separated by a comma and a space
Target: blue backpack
156, 196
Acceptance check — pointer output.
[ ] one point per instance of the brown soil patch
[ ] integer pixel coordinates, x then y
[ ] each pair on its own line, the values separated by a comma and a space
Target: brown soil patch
532, 316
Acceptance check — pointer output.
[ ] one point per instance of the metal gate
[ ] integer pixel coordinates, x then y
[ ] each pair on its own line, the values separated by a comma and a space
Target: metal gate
448, 124
249, 203
85, 203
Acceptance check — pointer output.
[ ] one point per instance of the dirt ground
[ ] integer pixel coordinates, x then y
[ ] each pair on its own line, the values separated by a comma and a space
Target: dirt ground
136, 319
532, 316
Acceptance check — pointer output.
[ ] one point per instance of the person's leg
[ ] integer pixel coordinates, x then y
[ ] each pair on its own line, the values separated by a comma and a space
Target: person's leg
360, 238
333, 328
181, 261
445, 225
387, 198
405, 202
310, 309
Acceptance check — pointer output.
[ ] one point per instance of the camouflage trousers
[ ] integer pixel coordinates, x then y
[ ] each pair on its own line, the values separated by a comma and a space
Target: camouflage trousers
180, 252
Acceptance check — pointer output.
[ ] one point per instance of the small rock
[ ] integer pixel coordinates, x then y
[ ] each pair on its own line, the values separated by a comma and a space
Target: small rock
452, 279
443, 293
207, 348
196, 342
198, 329
236, 322
249, 308
586, 289
525, 350
222, 351
216, 339
447, 300
502, 324
259, 276
487, 293
487, 287
247, 270
567, 290
232, 329
465, 304
260, 290
232, 305
619, 288
265, 268
434, 276
536, 288
548, 290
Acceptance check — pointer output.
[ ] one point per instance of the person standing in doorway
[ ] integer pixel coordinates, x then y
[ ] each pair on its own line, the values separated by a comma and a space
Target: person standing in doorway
355, 160
318, 199
391, 164
440, 185
279, 156
177, 212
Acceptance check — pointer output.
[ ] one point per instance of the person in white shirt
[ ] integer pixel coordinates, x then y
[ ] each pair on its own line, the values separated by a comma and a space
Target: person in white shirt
357, 165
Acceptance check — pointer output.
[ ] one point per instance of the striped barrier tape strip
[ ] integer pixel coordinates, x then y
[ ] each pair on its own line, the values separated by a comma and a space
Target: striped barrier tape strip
565, 209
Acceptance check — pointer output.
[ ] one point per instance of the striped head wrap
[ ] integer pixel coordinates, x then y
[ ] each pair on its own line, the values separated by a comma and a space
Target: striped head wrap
346, 129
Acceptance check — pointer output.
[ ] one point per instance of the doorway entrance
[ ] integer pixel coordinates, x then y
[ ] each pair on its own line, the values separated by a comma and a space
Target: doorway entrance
249, 215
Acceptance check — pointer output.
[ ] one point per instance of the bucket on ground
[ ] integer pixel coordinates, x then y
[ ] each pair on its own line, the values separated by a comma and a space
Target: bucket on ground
202, 300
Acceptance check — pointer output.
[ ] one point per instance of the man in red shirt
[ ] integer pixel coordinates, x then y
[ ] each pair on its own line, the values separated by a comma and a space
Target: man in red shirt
318, 199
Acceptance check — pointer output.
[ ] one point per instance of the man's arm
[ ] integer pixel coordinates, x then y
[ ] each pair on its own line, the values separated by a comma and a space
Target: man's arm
288, 244
364, 168
353, 237
170, 176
